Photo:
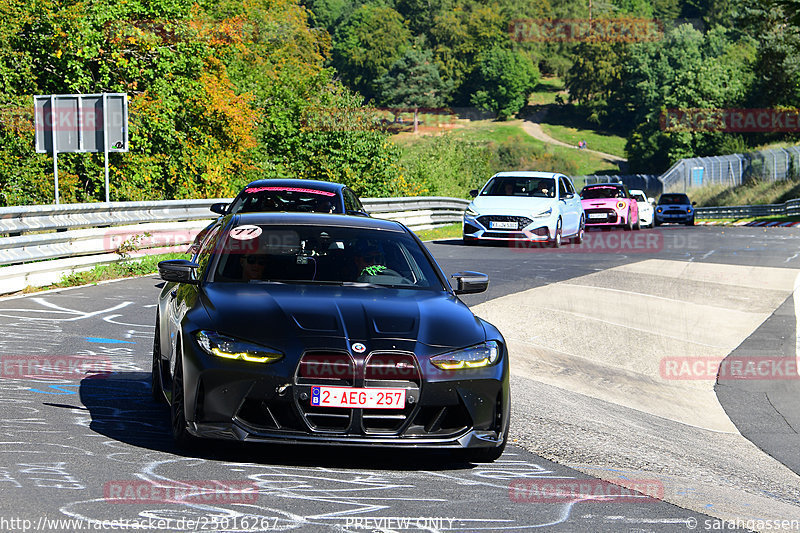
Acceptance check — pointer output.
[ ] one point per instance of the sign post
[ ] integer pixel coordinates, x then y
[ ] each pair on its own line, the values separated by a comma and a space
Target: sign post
81, 123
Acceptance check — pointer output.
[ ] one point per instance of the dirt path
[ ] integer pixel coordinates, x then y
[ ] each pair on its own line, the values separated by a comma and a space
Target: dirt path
533, 128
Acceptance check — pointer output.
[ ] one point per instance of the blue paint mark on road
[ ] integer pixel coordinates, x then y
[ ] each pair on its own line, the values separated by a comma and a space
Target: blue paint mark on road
57, 388
103, 340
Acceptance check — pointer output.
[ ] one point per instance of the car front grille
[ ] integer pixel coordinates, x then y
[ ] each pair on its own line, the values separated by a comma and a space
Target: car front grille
609, 216
486, 220
390, 370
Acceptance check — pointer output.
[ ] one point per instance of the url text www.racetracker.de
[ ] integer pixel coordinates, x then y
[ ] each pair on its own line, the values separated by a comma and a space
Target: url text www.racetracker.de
201, 523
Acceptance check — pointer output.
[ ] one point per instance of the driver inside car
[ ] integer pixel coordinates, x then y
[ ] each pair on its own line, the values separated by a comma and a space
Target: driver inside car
369, 260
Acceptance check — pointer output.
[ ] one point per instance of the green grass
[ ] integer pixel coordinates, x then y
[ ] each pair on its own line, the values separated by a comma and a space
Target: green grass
546, 91
754, 193
442, 232
602, 142
576, 162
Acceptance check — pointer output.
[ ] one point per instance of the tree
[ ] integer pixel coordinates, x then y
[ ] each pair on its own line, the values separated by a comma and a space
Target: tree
367, 44
414, 82
503, 81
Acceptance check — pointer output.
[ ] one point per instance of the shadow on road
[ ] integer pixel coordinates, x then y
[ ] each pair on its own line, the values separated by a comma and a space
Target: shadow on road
122, 408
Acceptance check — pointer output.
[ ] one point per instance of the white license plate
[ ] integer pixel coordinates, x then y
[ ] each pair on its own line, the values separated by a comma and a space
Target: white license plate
597, 215
361, 398
503, 225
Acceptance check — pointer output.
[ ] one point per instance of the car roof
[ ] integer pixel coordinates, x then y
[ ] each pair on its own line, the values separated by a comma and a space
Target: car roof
526, 174
327, 186
318, 219
609, 184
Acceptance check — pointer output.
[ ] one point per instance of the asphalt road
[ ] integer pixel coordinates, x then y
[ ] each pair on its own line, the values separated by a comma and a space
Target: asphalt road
72, 446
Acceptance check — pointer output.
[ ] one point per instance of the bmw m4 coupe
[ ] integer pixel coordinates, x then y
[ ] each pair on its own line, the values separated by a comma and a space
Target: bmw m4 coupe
327, 329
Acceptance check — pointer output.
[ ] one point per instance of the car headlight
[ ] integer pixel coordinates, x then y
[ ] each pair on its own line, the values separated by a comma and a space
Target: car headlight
471, 211
659, 209
226, 347
479, 356
544, 213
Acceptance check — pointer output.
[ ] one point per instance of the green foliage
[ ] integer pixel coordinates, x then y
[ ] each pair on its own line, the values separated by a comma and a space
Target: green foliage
367, 44
219, 94
414, 81
505, 78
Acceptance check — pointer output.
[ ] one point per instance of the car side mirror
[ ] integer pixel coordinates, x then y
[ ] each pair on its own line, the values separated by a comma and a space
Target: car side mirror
219, 208
473, 193
470, 282
178, 271
694, 203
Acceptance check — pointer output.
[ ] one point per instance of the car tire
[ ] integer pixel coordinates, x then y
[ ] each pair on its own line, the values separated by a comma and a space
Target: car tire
690, 222
638, 225
628, 226
578, 239
155, 386
656, 223
556, 242
180, 432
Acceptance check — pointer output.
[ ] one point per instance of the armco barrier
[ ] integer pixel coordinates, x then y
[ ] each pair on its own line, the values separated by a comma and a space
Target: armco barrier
41, 243
792, 207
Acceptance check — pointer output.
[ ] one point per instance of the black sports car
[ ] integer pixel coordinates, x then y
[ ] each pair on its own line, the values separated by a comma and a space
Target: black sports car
315, 328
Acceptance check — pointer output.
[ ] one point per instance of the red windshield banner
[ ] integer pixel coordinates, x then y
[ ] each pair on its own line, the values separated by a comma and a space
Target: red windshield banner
253, 190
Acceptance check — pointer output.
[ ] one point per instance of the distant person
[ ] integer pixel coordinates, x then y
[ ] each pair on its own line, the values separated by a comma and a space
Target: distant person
508, 189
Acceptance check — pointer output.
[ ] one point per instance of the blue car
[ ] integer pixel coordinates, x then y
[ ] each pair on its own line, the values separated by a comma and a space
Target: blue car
674, 208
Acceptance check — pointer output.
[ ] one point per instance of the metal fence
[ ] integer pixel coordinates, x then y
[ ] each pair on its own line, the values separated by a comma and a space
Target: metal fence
732, 170
38, 244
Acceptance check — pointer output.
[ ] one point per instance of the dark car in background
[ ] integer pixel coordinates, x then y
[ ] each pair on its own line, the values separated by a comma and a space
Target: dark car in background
291, 195
674, 208
326, 329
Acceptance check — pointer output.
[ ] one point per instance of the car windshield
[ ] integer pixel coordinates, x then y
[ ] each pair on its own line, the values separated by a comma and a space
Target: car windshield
323, 255
286, 198
601, 192
519, 186
639, 197
673, 199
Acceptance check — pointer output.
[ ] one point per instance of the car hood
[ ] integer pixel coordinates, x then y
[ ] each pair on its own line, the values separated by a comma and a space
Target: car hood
602, 202
512, 204
281, 315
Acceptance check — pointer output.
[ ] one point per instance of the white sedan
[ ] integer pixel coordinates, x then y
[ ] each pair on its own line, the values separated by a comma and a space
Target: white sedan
525, 206
646, 211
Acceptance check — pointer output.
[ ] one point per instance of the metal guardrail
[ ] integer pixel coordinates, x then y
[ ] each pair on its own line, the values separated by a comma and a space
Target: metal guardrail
40, 243
792, 207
